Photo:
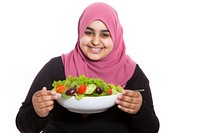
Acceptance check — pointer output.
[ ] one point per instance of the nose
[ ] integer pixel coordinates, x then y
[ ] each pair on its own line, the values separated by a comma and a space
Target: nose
96, 40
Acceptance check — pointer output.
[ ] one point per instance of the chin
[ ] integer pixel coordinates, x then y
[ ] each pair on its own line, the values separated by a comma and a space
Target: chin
94, 58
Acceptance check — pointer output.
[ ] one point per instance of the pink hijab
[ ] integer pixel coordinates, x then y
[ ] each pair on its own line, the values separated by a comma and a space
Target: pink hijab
117, 67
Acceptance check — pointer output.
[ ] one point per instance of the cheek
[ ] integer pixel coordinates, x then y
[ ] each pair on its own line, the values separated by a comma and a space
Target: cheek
84, 41
108, 44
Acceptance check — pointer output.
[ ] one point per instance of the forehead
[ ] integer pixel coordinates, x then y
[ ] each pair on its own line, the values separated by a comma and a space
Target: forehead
97, 25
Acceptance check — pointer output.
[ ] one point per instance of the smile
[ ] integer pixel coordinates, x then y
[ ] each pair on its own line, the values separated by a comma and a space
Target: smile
95, 50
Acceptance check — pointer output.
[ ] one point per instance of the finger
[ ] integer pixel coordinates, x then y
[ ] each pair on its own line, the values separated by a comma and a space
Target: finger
43, 92
39, 97
49, 92
128, 110
123, 98
44, 98
129, 104
131, 93
129, 107
127, 98
53, 95
128, 101
41, 105
43, 112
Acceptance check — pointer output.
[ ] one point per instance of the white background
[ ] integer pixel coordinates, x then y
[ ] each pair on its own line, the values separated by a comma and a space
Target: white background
161, 36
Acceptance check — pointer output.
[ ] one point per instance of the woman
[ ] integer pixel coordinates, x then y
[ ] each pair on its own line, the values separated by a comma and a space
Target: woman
99, 53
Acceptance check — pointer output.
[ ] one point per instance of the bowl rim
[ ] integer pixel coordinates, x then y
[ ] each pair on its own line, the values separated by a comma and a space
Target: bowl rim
92, 109
89, 97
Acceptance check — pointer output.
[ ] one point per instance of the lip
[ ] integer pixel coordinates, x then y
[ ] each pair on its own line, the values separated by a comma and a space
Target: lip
95, 50
96, 47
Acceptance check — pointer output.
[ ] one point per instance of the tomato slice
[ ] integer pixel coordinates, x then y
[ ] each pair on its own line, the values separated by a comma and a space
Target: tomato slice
60, 88
109, 91
82, 89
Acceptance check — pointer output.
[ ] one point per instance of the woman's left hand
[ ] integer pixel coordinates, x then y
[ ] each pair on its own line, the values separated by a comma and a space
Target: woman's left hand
129, 101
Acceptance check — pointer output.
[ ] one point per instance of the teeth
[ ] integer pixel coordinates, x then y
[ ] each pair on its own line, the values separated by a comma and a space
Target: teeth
95, 50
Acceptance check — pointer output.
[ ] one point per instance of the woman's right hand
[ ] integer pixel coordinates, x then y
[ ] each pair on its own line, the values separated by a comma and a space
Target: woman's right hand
43, 101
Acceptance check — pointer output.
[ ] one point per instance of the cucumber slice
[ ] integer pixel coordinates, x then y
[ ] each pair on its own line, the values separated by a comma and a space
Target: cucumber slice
90, 88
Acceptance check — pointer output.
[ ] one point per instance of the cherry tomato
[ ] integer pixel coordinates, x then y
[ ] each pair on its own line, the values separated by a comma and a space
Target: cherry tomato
60, 88
82, 89
109, 91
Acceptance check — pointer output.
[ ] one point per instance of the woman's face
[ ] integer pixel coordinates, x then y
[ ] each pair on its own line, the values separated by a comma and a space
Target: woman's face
96, 42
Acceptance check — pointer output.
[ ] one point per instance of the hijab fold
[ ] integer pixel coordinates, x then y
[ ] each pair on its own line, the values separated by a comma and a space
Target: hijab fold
116, 67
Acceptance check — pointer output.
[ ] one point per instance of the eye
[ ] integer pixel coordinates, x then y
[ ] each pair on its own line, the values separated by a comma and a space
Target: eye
105, 35
88, 33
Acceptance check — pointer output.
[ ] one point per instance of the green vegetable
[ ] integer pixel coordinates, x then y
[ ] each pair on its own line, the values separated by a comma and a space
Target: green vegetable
91, 83
90, 88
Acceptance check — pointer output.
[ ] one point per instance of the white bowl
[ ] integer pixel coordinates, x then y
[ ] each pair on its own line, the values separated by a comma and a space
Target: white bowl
87, 105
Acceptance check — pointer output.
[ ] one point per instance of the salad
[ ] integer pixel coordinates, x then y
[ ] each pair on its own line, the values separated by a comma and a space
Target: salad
83, 86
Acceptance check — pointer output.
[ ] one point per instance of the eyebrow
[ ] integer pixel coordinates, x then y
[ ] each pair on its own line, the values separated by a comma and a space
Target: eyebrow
94, 30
